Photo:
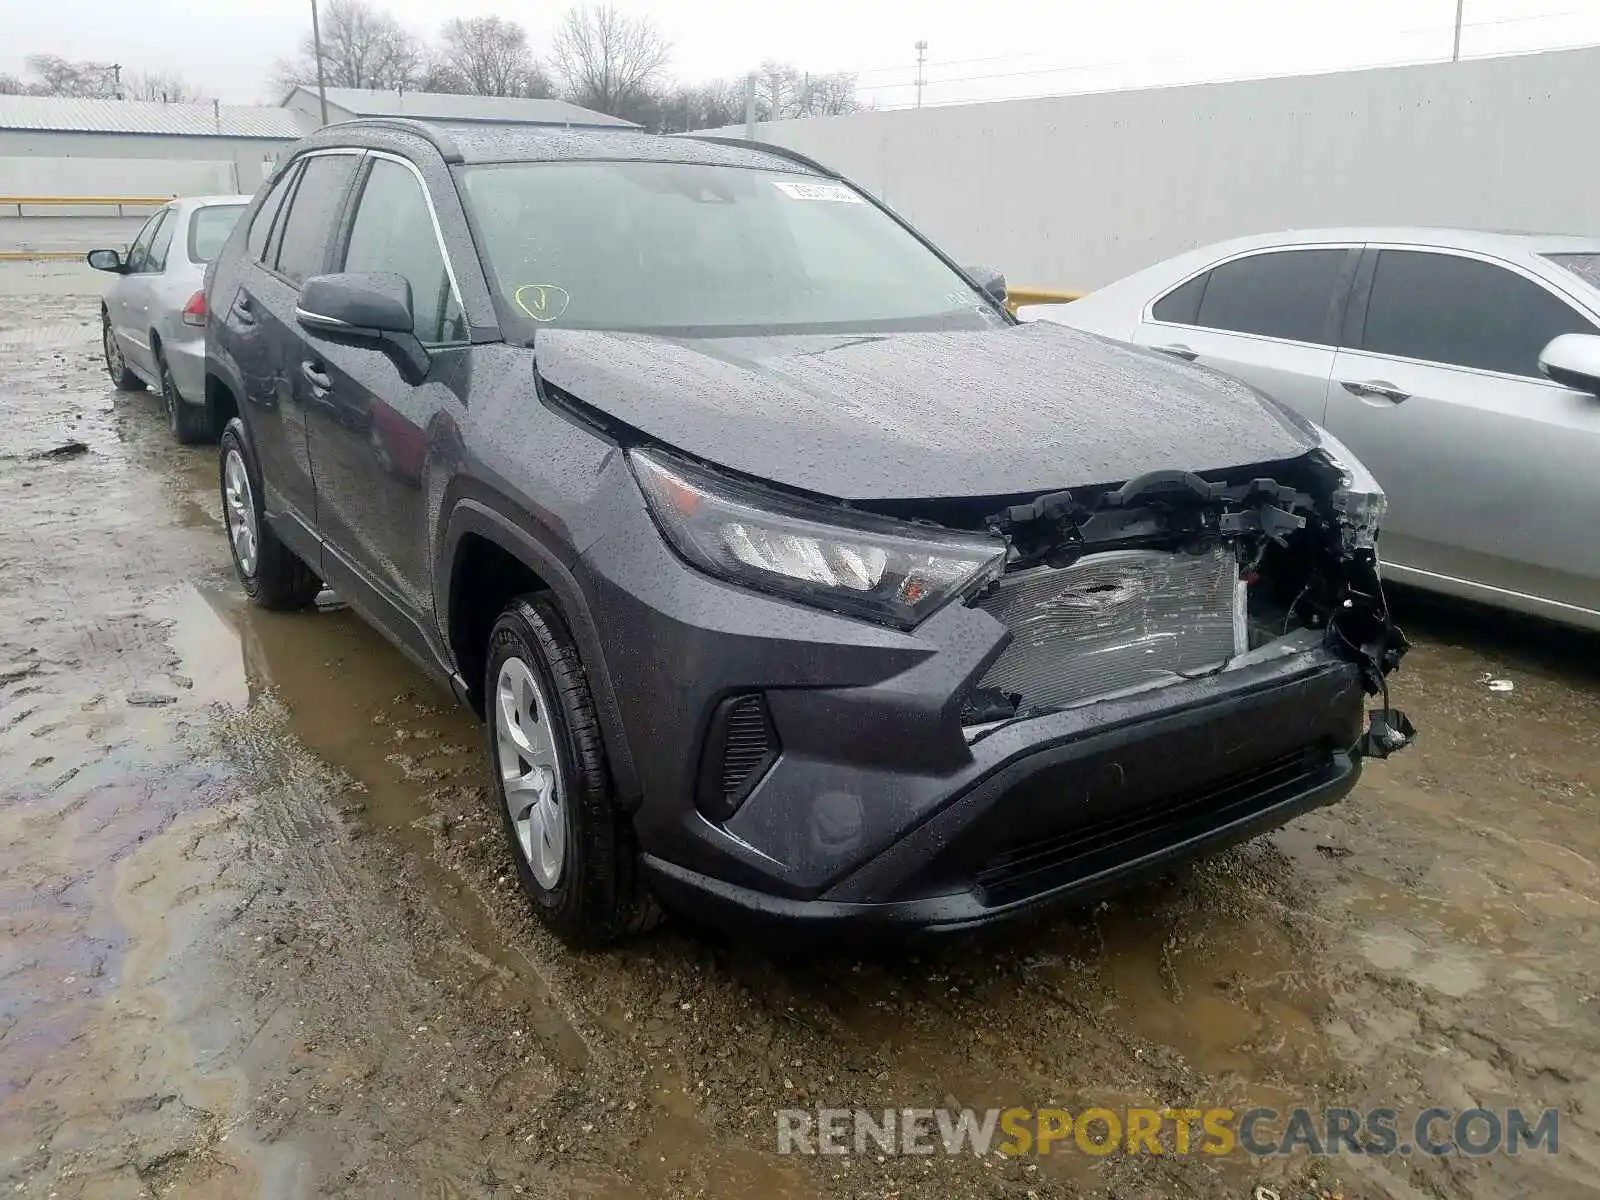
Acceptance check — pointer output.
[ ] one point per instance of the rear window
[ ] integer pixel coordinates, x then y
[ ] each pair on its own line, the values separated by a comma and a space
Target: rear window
1585, 266
209, 228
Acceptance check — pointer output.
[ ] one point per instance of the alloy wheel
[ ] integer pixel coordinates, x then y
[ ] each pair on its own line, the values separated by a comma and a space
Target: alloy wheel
239, 511
530, 770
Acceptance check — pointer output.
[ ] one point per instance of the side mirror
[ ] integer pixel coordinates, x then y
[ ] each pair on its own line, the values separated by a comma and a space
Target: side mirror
1573, 359
991, 281
365, 307
106, 260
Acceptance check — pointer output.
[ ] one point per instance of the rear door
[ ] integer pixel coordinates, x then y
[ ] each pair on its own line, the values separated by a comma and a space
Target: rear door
369, 425
1270, 317
296, 247
1491, 468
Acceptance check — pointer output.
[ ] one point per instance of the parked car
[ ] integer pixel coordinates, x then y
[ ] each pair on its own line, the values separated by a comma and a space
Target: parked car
153, 317
796, 582
1462, 368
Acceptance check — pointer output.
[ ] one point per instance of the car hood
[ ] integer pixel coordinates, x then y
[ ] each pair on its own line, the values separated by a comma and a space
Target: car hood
922, 415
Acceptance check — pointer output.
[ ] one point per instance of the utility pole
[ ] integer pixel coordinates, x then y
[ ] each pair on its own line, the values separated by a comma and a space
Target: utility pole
316, 46
922, 54
1455, 55
750, 107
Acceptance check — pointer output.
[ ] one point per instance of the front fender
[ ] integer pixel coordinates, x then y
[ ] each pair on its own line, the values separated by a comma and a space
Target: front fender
474, 516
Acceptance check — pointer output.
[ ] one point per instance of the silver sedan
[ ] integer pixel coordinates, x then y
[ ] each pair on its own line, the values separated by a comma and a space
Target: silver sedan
1462, 368
153, 316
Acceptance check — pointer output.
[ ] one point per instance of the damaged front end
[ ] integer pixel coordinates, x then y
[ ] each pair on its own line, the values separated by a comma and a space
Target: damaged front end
1176, 575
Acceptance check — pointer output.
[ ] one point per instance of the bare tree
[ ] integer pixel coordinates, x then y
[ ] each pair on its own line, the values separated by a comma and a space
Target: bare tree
489, 56
58, 76
10, 85
686, 107
784, 93
362, 46
608, 61
167, 86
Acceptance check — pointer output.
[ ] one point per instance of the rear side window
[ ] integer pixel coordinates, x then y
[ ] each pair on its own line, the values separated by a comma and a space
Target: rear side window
393, 231
261, 223
209, 227
1462, 312
308, 225
1286, 294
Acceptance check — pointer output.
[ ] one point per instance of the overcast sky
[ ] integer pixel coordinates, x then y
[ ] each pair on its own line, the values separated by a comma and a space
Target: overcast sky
975, 51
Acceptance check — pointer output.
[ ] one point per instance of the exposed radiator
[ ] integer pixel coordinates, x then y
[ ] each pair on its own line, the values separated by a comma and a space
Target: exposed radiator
1115, 622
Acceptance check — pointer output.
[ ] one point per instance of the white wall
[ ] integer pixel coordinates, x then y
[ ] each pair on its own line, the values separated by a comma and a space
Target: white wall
1075, 191
93, 164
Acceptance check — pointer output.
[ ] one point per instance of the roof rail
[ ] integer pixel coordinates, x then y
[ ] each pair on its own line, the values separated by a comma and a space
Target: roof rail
767, 147
438, 138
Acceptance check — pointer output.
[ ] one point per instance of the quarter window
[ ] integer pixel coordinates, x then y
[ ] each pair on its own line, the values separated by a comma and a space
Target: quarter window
308, 227
393, 231
1464, 312
1285, 294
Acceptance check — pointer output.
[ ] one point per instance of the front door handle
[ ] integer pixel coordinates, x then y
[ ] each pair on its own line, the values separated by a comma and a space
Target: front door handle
316, 377
1178, 351
1377, 388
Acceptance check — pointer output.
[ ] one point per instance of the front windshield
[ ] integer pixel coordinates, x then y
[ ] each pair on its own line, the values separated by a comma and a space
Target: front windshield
692, 248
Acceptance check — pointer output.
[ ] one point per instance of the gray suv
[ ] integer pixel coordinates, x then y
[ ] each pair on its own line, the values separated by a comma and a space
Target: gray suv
796, 583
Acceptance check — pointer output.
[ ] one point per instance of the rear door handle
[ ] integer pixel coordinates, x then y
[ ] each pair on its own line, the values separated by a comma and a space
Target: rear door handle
242, 311
316, 377
1375, 388
1178, 351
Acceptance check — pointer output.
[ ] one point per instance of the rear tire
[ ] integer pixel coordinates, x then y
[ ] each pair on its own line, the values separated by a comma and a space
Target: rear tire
122, 379
190, 423
578, 861
272, 575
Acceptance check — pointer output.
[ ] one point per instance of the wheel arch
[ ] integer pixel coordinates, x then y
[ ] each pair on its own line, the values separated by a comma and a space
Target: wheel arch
478, 536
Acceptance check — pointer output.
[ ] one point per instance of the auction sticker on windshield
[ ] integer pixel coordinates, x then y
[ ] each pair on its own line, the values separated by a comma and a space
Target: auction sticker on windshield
816, 191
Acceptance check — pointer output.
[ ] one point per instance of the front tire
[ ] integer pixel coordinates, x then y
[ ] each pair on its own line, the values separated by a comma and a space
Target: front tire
272, 576
122, 379
190, 424
575, 852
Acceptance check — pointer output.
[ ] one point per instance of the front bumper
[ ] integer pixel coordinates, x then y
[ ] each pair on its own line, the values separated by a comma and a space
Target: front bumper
877, 810
1076, 816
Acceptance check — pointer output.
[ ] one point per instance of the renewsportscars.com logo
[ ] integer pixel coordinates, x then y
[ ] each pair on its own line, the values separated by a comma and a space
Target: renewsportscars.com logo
1178, 1131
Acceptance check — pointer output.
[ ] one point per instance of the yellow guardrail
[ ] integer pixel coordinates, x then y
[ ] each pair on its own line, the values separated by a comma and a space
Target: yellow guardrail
83, 202
1016, 296
41, 255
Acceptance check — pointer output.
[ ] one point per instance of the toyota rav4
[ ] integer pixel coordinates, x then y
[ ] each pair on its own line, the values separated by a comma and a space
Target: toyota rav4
795, 582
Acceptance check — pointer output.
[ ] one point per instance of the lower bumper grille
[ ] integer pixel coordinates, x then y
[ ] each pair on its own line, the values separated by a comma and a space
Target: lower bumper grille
1115, 622
1085, 850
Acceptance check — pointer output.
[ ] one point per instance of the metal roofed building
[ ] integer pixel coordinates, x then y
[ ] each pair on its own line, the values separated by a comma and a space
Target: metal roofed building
347, 104
63, 146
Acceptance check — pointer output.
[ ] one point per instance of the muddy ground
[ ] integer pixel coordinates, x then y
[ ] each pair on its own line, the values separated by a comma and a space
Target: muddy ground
259, 936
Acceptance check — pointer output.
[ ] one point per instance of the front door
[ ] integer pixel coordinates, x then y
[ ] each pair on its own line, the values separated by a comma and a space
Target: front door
1489, 466
371, 427
128, 301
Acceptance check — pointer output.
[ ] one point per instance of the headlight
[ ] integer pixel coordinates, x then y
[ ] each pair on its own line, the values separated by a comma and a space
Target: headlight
889, 571
1358, 500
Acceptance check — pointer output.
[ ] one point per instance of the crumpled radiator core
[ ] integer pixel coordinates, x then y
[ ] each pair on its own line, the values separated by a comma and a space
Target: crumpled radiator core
1115, 622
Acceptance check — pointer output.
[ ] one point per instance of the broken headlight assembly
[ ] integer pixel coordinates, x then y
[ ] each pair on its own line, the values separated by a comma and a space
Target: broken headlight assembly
893, 572
1358, 500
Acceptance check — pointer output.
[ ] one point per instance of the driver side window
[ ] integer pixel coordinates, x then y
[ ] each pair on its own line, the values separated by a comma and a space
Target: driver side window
393, 231
139, 251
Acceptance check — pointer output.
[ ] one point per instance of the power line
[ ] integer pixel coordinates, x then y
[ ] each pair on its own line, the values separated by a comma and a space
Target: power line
1077, 68
920, 80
